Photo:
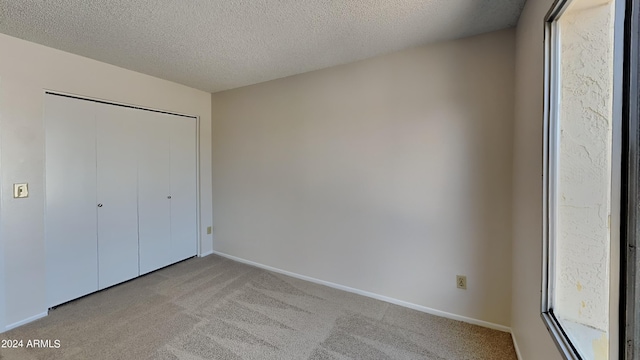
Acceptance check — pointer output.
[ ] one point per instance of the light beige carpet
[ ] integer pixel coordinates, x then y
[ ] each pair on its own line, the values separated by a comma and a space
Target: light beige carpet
215, 308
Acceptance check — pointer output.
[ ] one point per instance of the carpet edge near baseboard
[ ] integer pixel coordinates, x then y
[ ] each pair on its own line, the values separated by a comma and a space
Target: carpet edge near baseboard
515, 345
25, 321
390, 300
206, 253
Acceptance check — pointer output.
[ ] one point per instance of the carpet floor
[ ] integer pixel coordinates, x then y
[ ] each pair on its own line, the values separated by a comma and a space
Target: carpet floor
216, 308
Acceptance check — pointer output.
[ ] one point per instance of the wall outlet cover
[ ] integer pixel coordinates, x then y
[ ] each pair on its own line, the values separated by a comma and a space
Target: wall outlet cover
20, 190
461, 282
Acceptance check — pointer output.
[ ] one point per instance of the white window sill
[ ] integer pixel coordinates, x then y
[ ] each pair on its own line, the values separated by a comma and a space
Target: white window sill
593, 344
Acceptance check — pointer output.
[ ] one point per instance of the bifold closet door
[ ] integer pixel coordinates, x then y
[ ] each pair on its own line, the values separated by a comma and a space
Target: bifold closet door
70, 200
117, 199
154, 190
183, 188
121, 195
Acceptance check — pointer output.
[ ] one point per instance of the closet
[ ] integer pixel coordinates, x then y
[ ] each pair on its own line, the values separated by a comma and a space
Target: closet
121, 194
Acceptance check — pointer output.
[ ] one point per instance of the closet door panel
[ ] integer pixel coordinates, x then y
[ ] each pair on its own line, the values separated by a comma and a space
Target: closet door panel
117, 169
154, 150
70, 218
183, 188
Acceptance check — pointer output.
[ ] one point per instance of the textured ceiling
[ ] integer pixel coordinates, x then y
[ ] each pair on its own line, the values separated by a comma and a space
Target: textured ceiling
215, 45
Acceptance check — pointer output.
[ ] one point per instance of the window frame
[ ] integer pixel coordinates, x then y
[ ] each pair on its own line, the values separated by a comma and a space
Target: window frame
551, 145
629, 341
550, 161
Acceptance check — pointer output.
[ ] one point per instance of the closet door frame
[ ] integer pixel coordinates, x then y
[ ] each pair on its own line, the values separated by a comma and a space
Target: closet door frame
46, 92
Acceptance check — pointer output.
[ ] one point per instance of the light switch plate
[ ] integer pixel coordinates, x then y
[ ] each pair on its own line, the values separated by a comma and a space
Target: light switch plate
209, 229
20, 190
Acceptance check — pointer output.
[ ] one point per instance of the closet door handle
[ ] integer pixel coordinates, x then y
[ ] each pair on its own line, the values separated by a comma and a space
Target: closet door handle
99, 205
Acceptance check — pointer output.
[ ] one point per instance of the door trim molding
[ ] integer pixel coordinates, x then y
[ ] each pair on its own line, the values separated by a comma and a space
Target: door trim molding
109, 102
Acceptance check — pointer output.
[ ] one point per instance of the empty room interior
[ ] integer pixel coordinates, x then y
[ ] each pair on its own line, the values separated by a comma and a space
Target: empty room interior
281, 179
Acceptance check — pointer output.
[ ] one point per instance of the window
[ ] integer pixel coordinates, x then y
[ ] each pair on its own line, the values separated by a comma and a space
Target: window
583, 177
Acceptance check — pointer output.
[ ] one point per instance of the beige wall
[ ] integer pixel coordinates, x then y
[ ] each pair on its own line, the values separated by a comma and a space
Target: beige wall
26, 69
390, 175
533, 339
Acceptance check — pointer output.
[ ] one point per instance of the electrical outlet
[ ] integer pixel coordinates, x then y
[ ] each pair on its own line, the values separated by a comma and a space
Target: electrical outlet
209, 229
461, 282
20, 190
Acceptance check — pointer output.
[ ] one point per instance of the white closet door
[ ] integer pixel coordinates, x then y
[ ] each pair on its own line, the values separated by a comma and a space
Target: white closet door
117, 168
70, 219
154, 150
183, 188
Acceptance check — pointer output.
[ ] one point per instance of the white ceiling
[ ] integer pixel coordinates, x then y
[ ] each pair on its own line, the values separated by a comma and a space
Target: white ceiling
215, 45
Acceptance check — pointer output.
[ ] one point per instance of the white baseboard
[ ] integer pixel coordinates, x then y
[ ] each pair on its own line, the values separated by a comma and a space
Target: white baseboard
372, 295
515, 345
206, 254
26, 321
